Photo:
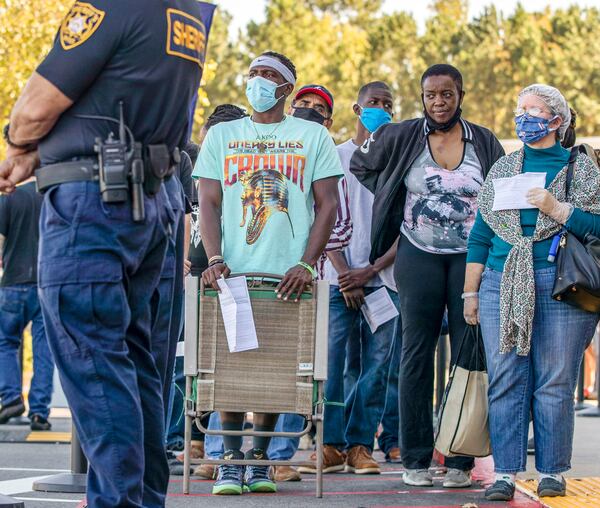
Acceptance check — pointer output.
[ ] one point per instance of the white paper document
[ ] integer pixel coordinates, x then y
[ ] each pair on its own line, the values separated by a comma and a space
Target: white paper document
510, 193
237, 314
378, 308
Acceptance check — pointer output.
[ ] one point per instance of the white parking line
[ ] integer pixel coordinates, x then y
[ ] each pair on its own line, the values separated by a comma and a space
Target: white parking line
44, 500
18, 486
34, 469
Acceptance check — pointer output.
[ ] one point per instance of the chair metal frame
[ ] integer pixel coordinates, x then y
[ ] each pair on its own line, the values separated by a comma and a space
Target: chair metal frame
194, 288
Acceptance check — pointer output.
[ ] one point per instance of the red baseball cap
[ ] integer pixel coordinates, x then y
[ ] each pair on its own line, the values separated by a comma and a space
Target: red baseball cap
321, 91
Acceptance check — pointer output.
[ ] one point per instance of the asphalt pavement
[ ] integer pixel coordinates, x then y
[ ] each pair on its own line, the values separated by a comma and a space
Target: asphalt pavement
21, 463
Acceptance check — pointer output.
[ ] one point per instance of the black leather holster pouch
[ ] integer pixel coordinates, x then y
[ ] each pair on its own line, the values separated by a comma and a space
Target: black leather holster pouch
159, 165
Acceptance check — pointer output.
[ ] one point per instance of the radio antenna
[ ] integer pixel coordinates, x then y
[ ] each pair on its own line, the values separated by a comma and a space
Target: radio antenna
121, 123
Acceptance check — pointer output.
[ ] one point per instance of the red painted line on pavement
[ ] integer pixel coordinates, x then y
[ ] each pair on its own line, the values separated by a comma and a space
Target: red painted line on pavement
369, 479
302, 493
491, 505
177, 480
305, 493
483, 472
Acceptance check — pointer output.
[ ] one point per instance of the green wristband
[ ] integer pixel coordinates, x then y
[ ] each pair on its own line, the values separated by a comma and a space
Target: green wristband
308, 268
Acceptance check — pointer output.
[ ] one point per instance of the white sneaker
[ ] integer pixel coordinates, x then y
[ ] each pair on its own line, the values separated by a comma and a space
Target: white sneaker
417, 478
456, 479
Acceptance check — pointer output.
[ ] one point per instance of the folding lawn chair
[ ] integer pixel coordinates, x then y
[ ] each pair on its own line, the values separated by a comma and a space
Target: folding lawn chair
290, 363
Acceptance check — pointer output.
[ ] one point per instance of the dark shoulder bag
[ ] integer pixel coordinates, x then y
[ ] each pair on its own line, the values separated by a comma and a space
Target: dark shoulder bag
577, 280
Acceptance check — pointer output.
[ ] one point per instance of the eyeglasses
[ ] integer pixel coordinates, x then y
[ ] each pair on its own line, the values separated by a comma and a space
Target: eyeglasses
531, 111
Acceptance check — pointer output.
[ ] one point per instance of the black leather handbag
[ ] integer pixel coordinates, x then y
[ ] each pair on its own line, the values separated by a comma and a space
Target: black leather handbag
577, 280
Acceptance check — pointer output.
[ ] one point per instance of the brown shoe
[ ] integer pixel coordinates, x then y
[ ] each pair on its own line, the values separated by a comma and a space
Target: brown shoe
333, 461
196, 451
286, 474
206, 471
361, 461
393, 455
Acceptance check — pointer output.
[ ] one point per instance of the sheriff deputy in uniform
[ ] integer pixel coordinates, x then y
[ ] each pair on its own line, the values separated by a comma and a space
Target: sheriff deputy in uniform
125, 68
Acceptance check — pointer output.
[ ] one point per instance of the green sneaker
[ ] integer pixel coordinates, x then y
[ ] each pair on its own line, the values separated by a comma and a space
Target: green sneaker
257, 478
229, 477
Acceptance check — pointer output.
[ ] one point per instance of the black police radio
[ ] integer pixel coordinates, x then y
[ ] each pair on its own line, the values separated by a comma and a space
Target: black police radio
113, 165
125, 165
121, 169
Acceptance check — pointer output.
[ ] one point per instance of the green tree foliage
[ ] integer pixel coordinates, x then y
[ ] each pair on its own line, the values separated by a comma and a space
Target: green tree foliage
27, 29
343, 44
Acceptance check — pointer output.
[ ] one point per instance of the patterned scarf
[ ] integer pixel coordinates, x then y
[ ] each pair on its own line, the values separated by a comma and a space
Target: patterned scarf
517, 289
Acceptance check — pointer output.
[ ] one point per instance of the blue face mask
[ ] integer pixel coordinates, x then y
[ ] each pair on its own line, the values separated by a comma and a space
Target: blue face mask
373, 118
530, 129
261, 94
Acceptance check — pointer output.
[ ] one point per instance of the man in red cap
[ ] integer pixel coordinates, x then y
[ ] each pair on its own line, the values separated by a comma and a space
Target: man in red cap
314, 103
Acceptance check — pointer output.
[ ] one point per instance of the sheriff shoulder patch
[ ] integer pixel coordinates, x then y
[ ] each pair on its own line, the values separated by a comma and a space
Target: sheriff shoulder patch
79, 24
186, 37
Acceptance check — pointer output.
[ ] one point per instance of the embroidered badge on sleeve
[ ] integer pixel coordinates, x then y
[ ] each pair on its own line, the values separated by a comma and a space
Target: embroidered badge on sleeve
79, 25
186, 36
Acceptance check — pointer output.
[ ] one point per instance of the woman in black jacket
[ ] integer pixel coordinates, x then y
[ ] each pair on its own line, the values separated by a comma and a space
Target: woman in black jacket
426, 174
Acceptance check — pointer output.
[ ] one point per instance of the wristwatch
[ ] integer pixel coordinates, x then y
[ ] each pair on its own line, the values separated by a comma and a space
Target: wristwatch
5, 135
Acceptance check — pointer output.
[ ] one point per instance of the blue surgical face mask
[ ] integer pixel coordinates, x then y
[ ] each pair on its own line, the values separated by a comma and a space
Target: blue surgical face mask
261, 93
530, 129
373, 118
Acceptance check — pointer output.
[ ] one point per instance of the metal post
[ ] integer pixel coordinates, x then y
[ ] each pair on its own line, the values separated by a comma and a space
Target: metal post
73, 482
319, 409
594, 411
581, 381
187, 436
440, 377
79, 463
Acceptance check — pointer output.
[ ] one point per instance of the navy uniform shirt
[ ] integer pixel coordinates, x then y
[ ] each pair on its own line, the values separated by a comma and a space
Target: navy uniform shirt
146, 53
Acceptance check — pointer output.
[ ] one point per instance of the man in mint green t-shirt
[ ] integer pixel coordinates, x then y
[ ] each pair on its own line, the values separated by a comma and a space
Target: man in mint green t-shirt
268, 202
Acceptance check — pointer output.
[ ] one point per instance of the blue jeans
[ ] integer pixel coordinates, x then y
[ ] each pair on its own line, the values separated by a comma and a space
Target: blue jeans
365, 399
284, 448
542, 382
19, 304
97, 272
279, 449
390, 421
213, 445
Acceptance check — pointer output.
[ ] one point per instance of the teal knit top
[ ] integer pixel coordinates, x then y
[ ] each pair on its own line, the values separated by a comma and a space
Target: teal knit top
486, 248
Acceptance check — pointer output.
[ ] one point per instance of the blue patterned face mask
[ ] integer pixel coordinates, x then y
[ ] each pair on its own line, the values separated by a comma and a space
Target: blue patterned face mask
530, 129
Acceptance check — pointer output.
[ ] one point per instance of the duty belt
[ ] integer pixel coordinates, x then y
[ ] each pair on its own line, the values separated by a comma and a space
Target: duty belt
85, 170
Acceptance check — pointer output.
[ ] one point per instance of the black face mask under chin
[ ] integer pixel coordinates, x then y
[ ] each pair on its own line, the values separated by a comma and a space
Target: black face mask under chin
310, 114
435, 126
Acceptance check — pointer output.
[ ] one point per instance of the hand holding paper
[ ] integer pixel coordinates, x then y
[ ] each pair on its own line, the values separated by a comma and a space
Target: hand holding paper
511, 193
548, 204
378, 308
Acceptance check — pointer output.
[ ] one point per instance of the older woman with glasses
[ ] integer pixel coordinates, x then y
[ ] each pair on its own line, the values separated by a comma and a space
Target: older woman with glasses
533, 344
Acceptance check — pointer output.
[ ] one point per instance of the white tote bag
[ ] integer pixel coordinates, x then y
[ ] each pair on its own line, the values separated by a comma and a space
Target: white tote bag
462, 427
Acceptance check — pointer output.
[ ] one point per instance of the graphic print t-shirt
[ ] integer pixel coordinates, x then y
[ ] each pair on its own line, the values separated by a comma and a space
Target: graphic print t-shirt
441, 204
266, 173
